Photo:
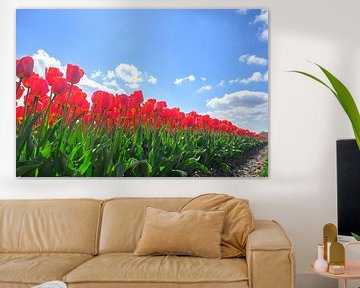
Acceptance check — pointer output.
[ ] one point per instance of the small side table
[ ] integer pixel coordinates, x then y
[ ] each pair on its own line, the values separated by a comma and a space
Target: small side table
352, 268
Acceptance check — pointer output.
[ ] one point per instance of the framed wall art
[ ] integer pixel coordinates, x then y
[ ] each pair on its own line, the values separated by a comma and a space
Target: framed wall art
142, 92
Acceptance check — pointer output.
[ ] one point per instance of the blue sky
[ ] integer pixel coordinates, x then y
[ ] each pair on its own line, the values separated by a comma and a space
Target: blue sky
210, 61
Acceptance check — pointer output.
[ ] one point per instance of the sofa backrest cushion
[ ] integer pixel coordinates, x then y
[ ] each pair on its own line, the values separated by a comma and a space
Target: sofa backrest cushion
64, 226
238, 224
123, 220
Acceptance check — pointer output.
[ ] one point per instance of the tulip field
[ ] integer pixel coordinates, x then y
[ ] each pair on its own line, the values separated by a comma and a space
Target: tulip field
60, 132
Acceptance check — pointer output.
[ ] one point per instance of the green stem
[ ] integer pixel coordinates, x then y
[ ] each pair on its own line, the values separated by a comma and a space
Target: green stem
34, 106
25, 101
66, 104
46, 116
18, 86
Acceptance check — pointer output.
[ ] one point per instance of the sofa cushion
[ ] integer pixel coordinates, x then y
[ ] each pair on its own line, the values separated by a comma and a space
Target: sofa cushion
239, 220
123, 220
63, 226
193, 232
36, 268
126, 268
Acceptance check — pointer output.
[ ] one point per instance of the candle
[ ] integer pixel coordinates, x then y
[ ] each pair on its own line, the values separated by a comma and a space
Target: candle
336, 269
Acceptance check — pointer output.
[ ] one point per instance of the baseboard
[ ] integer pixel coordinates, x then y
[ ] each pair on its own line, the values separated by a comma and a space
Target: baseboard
309, 280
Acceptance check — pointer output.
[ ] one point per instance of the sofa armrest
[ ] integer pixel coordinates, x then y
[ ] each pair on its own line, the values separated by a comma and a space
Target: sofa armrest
269, 256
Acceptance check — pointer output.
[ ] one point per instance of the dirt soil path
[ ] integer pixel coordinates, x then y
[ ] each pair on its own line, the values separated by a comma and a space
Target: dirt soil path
247, 165
251, 164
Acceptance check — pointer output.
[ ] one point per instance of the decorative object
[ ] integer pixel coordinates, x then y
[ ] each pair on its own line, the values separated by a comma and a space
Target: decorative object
336, 269
344, 97
337, 258
320, 264
329, 236
351, 268
163, 93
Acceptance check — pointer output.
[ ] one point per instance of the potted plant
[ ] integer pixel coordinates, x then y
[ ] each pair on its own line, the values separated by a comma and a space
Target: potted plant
345, 99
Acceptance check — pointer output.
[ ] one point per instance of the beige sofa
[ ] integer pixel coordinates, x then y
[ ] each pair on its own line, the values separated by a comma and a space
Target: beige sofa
89, 243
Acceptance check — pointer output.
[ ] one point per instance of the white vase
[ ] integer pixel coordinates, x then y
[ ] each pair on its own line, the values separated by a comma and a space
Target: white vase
320, 264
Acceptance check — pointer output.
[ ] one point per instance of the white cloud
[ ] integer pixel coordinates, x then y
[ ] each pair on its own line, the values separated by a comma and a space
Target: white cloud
266, 76
189, 78
241, 11
109, 75
263, 35
221, 83
255, 77
43, 60
90, 86
111, 83
95, 74
253, 59
130, 74
263, 17
244, 98
263, 20
233, 81
204, 88
133, 85
151, 79
203, 79
254, 118
246, 109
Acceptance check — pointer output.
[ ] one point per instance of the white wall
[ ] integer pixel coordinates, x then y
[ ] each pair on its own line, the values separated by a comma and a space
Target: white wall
305, 120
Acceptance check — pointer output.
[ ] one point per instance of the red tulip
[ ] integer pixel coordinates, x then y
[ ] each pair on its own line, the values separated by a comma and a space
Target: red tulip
84, 105
43, 103
74, 73
52, 74
28, 80
76, 97
122, 100
59, 86
20, 113
136, 98
24, 67
103, 100
39, 87
160, 106
149, 106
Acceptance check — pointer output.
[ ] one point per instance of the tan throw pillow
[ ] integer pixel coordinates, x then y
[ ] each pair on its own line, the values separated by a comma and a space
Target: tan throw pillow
196, 233
239, 220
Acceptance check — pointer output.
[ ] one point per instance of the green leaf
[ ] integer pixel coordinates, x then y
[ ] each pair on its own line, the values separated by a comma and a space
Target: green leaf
347, 102
25, 167
344, 97
49, 132
356, 236
316, 79
177, 173
45, 151
26, 133
138, 168
86, 163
